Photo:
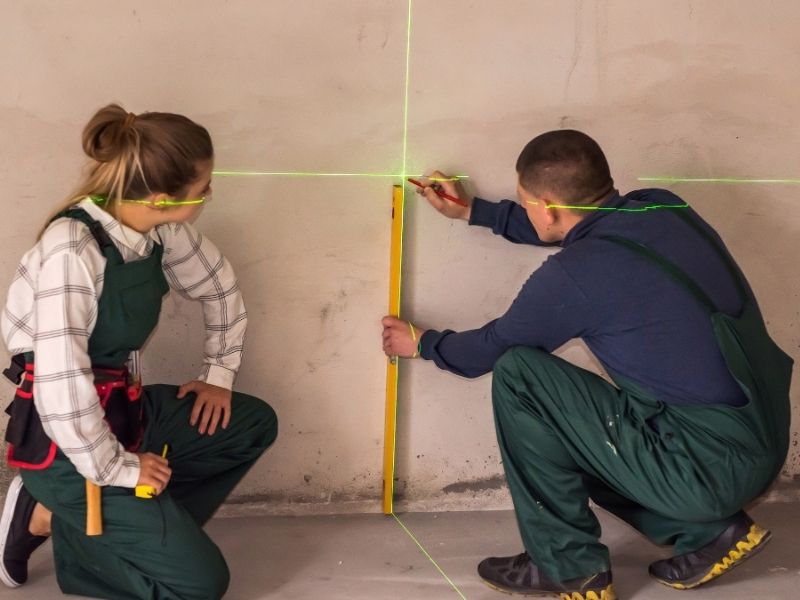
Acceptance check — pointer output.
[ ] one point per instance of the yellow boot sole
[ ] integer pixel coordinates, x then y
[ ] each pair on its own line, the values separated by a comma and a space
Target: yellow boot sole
754, 542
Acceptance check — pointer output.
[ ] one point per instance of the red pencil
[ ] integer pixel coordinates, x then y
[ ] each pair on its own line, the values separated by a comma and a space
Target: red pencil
440, 193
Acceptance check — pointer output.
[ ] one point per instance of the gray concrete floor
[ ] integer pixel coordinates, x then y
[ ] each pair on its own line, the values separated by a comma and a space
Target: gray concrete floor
369, 557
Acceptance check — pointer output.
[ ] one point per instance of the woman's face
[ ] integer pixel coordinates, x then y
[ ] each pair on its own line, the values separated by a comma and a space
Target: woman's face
200, 189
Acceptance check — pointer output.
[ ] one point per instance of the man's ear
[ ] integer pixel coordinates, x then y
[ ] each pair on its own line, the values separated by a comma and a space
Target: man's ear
551, 214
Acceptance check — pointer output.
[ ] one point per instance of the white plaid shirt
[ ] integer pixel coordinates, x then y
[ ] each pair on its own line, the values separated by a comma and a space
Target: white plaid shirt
52, 308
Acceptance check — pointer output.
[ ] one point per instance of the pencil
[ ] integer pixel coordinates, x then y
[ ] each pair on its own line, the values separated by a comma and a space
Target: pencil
439, 193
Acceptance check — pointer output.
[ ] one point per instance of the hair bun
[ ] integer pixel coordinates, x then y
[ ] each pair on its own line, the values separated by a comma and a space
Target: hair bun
105, 136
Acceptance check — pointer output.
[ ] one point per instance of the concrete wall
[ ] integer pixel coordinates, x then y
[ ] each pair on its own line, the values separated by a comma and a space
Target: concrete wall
703, 89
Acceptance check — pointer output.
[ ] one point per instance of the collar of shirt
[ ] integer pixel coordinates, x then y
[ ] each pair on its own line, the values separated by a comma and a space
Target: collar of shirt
139, 243
582, 229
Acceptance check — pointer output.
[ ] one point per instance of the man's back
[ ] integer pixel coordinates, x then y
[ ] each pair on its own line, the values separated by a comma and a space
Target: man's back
642, 326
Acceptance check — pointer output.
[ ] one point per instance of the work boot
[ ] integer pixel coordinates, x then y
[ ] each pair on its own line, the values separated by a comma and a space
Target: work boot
732, 547
520, 575
17, 543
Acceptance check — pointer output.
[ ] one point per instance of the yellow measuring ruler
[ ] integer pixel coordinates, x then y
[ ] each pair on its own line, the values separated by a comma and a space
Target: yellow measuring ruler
392, 364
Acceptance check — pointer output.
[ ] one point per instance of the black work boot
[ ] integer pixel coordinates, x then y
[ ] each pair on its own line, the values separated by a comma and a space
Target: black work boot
16, 542
520, 575
732, 547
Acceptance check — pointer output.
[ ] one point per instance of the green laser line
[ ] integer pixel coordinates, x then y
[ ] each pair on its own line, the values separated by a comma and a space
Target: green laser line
405, 99
103, 200
311, 174
613, 208
429, 557
729, 180
402, 227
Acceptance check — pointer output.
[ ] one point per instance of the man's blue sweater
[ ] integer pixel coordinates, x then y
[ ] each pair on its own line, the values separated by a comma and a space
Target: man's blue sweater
639, 323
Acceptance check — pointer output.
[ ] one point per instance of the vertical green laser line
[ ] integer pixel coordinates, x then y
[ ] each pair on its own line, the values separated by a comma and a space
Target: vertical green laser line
402, 228
429, 557
405, 100
403, 187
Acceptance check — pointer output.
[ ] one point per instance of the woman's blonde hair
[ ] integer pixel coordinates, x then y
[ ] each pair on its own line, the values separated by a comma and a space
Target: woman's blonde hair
133, 156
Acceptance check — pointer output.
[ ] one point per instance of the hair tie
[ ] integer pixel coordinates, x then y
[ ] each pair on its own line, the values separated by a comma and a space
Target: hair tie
130, 118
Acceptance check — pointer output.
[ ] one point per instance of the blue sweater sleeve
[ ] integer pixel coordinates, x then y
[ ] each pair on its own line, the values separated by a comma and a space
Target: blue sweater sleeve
505, 218
549, 310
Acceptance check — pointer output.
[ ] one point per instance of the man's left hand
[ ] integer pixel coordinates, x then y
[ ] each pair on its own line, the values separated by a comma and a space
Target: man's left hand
400, 338
212, 405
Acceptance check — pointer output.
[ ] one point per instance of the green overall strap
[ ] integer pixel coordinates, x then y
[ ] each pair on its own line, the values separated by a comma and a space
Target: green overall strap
100, 235
729, 264
675, 273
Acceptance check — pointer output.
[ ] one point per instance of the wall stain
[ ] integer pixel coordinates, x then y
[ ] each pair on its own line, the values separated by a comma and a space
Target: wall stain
495, 482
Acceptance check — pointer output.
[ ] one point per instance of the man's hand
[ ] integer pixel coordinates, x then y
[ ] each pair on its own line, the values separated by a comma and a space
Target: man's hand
450, 186
153, 471
400, 338
212, 404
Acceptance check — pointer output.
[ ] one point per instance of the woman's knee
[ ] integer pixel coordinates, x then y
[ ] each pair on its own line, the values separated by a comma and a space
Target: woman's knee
207, 576
261, 418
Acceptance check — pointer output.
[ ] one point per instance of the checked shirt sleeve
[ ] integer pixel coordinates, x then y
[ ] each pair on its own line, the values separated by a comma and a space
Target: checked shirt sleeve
65, 306
195, 267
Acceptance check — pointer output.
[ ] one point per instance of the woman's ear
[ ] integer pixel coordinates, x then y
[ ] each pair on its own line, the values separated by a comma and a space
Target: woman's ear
159, 201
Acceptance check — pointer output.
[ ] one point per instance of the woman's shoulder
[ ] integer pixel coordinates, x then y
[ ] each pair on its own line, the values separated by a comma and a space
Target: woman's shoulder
69, 239
64, 235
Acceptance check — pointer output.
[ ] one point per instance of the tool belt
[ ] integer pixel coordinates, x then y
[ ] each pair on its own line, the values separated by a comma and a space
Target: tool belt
29, 447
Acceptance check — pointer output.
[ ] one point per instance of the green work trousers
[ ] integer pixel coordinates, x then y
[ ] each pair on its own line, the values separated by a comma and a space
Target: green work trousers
156, 549
678, 474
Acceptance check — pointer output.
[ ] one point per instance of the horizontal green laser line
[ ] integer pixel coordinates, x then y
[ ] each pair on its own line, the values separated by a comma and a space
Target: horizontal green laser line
103, 200
613, 208
429, 557
730, 180
305, 174
610, 208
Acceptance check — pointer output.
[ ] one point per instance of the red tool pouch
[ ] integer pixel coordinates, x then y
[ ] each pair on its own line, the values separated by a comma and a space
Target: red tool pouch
29, 447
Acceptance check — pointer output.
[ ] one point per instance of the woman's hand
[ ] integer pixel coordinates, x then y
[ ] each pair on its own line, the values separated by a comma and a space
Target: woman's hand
153, 471
212, 405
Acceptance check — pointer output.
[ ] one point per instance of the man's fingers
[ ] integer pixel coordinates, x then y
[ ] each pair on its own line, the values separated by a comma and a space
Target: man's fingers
226, 419
434, 199
435, 177
445, 182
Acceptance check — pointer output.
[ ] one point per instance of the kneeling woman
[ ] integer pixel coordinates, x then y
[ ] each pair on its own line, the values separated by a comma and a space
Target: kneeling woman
82, 303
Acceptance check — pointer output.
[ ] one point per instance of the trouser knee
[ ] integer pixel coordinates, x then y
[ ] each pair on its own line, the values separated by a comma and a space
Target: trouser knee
262, 421
207, 577
514, 367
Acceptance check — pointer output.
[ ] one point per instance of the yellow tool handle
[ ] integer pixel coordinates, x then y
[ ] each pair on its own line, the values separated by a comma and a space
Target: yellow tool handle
148, 491
145, 491
94, 509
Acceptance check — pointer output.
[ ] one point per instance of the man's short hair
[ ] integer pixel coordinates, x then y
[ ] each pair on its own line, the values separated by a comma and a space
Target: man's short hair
567, 164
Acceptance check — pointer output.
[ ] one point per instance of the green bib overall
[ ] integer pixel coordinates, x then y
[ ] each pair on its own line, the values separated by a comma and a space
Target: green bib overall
149, 548
127, 313
679, 474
